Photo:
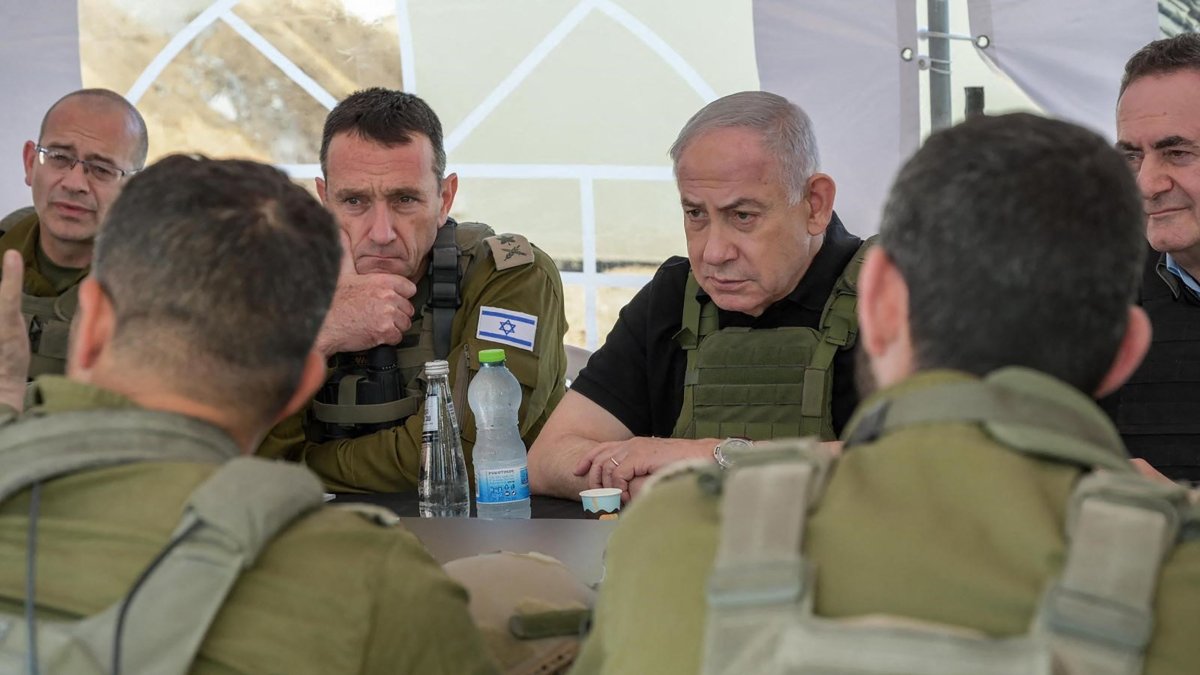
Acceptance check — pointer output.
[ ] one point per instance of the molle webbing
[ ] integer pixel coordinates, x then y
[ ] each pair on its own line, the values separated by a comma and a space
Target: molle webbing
48, 322
766, 383
746, 383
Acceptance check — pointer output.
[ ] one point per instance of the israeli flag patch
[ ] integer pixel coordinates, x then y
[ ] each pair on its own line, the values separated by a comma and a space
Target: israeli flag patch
507, 327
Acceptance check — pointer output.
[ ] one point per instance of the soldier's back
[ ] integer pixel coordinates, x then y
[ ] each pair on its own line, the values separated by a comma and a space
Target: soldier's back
332, 593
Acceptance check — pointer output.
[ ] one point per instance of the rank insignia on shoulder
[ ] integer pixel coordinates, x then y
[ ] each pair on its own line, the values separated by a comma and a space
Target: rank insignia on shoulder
507, 327
510, 250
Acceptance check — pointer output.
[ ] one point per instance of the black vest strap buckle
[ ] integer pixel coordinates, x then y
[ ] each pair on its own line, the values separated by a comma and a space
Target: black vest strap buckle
443, 270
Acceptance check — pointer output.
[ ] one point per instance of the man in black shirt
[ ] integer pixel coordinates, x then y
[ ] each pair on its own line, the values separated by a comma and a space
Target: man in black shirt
750, 337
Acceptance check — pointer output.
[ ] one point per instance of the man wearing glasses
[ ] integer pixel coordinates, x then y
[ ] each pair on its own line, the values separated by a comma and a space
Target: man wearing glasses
90, 142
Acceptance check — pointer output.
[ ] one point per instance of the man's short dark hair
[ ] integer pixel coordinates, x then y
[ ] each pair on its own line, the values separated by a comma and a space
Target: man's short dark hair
387, 117
1021, 241
111, 97
220, 273
1163, 57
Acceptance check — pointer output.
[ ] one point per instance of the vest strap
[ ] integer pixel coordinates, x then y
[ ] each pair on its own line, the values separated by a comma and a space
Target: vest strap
896, 646
445, 295
1001, 410
760, 577
365, 413
45, 448
229, 519
839, 330
1099, 614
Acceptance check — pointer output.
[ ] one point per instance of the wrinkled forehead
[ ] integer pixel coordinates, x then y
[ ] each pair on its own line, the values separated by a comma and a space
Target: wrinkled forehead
354, 159
1154, 107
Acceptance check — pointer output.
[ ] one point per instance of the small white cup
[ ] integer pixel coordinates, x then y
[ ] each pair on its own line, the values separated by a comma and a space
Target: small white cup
601, 503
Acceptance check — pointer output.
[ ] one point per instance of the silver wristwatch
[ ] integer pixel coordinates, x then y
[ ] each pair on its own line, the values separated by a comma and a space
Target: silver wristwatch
732, 443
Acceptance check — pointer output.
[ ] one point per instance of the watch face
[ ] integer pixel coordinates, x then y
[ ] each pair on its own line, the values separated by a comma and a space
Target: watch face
719, 452
736, 443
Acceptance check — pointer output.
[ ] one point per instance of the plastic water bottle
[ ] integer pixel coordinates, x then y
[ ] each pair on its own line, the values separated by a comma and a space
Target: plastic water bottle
501, 470
442, 486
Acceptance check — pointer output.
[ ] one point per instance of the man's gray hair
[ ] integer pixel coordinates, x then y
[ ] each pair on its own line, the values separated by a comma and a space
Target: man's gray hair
786, 130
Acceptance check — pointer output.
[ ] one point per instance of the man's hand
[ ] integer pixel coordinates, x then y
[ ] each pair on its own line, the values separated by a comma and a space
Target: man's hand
14, 339
1143, 467
368, 309
618, 463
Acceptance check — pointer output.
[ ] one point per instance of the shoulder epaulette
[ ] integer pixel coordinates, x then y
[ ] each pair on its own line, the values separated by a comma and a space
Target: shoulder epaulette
510, 250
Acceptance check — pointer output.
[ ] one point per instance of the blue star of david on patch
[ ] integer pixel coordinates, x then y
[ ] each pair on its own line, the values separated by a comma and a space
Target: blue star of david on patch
507, 327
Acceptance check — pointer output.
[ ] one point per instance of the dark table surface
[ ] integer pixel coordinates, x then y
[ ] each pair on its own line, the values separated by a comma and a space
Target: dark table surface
405, 504
558, 529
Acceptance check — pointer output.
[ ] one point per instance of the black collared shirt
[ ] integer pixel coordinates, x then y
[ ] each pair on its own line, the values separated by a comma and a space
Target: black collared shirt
637, 375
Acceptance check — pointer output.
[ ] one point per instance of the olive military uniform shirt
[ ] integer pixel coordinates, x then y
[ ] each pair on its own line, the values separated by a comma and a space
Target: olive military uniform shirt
389, 460
937, 522
637, 375
43, 278
333, 593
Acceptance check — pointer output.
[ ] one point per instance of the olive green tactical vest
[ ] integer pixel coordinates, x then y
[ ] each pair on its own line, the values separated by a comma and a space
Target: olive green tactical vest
48, 321
432, 341
765, 383
1096, 618
159, 625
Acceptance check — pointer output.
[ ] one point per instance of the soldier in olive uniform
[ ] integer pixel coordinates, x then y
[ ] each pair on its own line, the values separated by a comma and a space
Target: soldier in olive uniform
194, 336
90, 142
984, 515
414, 286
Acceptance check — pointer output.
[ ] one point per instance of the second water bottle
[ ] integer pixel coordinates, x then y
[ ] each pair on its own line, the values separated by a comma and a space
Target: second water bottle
501, 471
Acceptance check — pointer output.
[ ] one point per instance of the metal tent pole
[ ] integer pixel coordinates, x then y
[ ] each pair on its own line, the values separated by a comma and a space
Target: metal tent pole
940, 112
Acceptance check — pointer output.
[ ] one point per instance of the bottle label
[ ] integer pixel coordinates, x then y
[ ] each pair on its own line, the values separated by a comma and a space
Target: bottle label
431, 413
497, 486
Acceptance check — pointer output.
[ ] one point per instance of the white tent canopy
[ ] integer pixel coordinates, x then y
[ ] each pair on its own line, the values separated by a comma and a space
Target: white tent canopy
558, 113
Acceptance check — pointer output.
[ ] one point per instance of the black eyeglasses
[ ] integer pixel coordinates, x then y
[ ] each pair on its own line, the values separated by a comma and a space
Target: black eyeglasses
61, 160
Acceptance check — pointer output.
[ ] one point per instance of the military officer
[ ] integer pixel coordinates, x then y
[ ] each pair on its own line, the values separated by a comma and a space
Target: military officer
983, 510
90, 142
414, 286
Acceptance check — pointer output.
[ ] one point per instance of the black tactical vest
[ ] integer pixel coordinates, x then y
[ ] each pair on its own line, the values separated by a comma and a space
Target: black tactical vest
380, 387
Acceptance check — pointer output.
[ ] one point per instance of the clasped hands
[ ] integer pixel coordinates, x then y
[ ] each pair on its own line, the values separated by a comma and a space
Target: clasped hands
627, 464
